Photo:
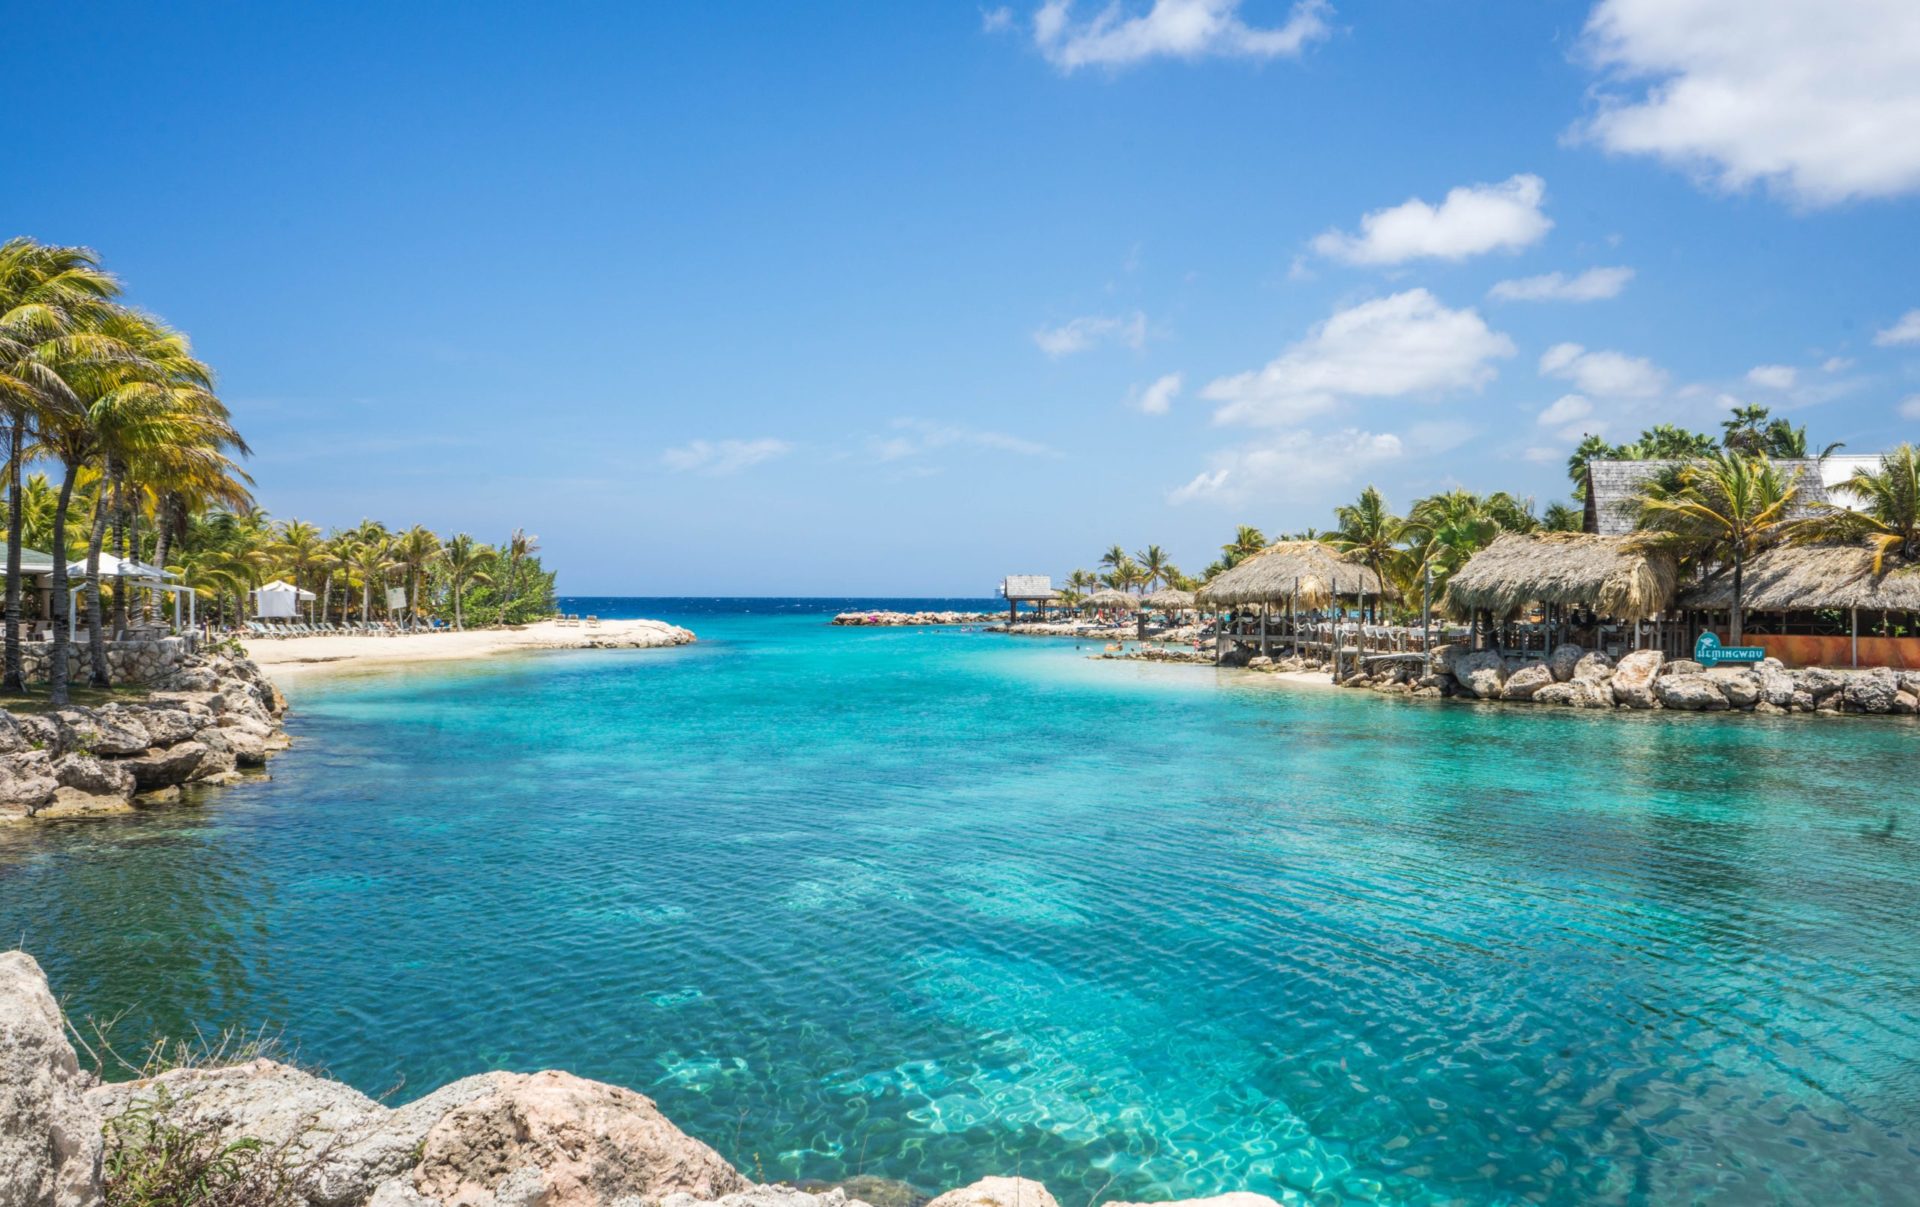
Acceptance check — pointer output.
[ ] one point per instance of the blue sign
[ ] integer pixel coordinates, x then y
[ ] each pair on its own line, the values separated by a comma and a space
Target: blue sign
1709, 652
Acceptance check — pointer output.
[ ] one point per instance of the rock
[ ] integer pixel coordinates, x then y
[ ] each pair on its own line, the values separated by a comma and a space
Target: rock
544, 1121
1589, 693
1633, 679
998, 1192
769, 1196
159, 796
12, 738
1683, 666
1241, 1198
50, 1143
1801, 702
167, 726
1871, 691
1522, 683
100, 732
26, 786
1562, 661
1906, 703
41, 733
1741, 685
1693, 693
1776, 684
1482, 674
90, 775
1554, 693
1819, 682
1425, 691
1444, 656
219, 757
1593, 665
1259, 662
1767, 708
160, 768
249, 748
1910, 683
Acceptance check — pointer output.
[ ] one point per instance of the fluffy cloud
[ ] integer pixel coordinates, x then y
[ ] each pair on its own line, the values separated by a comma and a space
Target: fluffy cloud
723, 456
1157, 399
1905, 331
1568, 408
1471, 220
1820, 102
913, 437
1405, 344
1291, 465
1119, 35
1773, 377
1604, 374
1910, 407
1593, 285
1077, 335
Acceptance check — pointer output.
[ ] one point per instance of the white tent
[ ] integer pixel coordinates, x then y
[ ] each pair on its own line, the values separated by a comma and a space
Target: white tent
128, 573
115, 567
276, 600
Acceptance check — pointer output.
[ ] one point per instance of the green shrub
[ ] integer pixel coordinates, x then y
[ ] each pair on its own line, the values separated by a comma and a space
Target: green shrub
154, 1162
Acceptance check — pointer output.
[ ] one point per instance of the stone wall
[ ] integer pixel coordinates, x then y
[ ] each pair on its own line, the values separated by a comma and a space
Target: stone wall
127, 661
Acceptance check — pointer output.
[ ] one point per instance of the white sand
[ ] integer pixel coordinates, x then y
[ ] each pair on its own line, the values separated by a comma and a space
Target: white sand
285, 656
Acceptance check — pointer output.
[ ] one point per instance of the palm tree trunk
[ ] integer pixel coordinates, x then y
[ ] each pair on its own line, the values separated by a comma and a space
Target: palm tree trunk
120, 587
458, 622
1739, 599
160, 533
96, 627
15, 679
57, 668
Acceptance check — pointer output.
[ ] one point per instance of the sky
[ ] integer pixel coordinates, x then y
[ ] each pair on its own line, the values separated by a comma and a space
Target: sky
882, 298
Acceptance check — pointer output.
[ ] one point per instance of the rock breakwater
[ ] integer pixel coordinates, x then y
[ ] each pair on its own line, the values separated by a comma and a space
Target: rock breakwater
905, 619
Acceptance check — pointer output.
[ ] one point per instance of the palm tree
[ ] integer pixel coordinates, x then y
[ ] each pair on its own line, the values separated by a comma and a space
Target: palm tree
1113, 557
466, 561
1561, 518
300, 549
1720, 510
1447, 529
1592, 448
1746, 432
369, 559
413, 551
1369, 532
1155, 563
520, 547
1888, 519
1247, 541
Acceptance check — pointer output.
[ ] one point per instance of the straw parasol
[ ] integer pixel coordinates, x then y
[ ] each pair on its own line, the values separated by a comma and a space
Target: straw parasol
1605, 573
1168, 599
1313, 570
1806, 578
1111, 600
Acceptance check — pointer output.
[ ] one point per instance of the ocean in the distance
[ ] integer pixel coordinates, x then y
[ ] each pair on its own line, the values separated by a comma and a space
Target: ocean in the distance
935, 904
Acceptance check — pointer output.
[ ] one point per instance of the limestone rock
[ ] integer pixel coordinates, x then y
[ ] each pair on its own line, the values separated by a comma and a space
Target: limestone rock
769, 1196
92, 776
1555, 693
1683, 666
100, 732
50, 1143
41, 733
998, 1192
1482, 673
1593, 665
219, 757
167, 726
1693, 693
1776, 684
1819, 682
249, 747
1444, 656
1563, 659
26, 786
1910, 683
1906, 703
1741, 685
160, 768
1241, 1198
1633, 679
1588, 693
1522, 683
1871, 691
12, 738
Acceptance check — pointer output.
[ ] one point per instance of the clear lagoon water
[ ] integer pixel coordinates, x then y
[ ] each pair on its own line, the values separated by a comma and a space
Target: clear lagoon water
929, 905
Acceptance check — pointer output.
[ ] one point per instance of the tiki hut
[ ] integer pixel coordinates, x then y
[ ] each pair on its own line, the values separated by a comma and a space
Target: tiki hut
1806, 603
1307, 574
1111, 600
1168, 599
1602, 574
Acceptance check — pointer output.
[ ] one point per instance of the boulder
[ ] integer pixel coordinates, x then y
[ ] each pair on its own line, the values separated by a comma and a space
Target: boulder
769, 1196
1633, 679
41, 733
1692, 693
92, 732
1554, 693
1801, 702
1444, 657
1819, 682
123, 730
1910, 683
12, 738
219, 757
1563, 659
50, 1143
169, 725
1683, 666
26, 785
998, 1192
1482, 674
92, 776
1593, 665
1259, 662
249, 747
1906, 703
1589, 693
1742, 686
163, 767
1871, 691
1240, 1198
1776, 684
1522, 683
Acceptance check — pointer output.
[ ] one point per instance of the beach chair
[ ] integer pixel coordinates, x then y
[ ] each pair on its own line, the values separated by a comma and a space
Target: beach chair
593, 622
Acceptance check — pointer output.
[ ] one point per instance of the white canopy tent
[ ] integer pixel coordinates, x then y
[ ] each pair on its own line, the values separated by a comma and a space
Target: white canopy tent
129, 573
279, 600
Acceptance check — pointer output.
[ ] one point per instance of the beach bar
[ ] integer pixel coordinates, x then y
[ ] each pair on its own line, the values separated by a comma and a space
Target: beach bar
1279, 596
1819, 605
1529, 592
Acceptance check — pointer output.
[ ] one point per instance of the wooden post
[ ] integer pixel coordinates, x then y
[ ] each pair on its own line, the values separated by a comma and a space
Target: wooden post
1855, 612
1293, 616
1263, 628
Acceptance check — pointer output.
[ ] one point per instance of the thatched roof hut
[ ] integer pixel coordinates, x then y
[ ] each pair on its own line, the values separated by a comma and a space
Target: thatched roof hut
1168, 599
1807, 578
1112, 601
1567, 568
1313, 570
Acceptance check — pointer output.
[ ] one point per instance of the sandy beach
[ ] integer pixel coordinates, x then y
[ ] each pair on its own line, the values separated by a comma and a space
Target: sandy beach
286, 656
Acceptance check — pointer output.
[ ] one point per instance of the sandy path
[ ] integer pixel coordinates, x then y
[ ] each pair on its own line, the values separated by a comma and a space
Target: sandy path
284, 656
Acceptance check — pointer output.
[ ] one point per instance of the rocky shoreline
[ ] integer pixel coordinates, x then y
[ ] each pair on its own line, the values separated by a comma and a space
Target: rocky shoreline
909, 619
546, 1139
202, 722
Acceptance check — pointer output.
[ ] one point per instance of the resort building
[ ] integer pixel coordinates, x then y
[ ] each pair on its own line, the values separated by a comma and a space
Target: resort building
1285, 596
1034, 590
1529, 592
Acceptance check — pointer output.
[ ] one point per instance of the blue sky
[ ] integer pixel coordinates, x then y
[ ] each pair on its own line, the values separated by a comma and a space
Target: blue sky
888, 298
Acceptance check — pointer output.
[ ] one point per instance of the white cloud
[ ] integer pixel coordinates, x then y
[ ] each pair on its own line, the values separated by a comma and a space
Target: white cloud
913, 437
1837, 364
1910, 407
1405, 344
1604, 374
1471, 220
1568, 408
1157, 399
1773, 377
1077, 335
1819, 101
1290, 465
996, 20
1593, 285
1119, 35
1905, 331
1540, 455
723, 456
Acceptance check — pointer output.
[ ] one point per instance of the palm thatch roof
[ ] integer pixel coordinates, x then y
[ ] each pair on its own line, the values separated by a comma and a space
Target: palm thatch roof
1112, 600
1805, 578
1312, 571
1168, 599
1567, 568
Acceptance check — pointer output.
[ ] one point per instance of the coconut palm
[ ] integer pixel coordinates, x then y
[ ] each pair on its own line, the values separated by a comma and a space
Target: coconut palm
1369, 532
466, 561
1155, 564
1114, 557
1247, 541
1448, 528
1719, 510
413, 551
299, 550
520, 547
368, 560
1561, 518
1888, 518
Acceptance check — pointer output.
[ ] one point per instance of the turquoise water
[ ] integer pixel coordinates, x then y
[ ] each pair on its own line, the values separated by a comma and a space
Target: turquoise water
932, 905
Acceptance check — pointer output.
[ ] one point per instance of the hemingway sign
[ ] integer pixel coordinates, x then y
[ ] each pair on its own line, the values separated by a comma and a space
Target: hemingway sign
1709, 652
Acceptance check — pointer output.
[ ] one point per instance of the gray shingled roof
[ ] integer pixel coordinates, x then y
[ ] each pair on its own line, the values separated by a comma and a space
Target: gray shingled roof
1613, 485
